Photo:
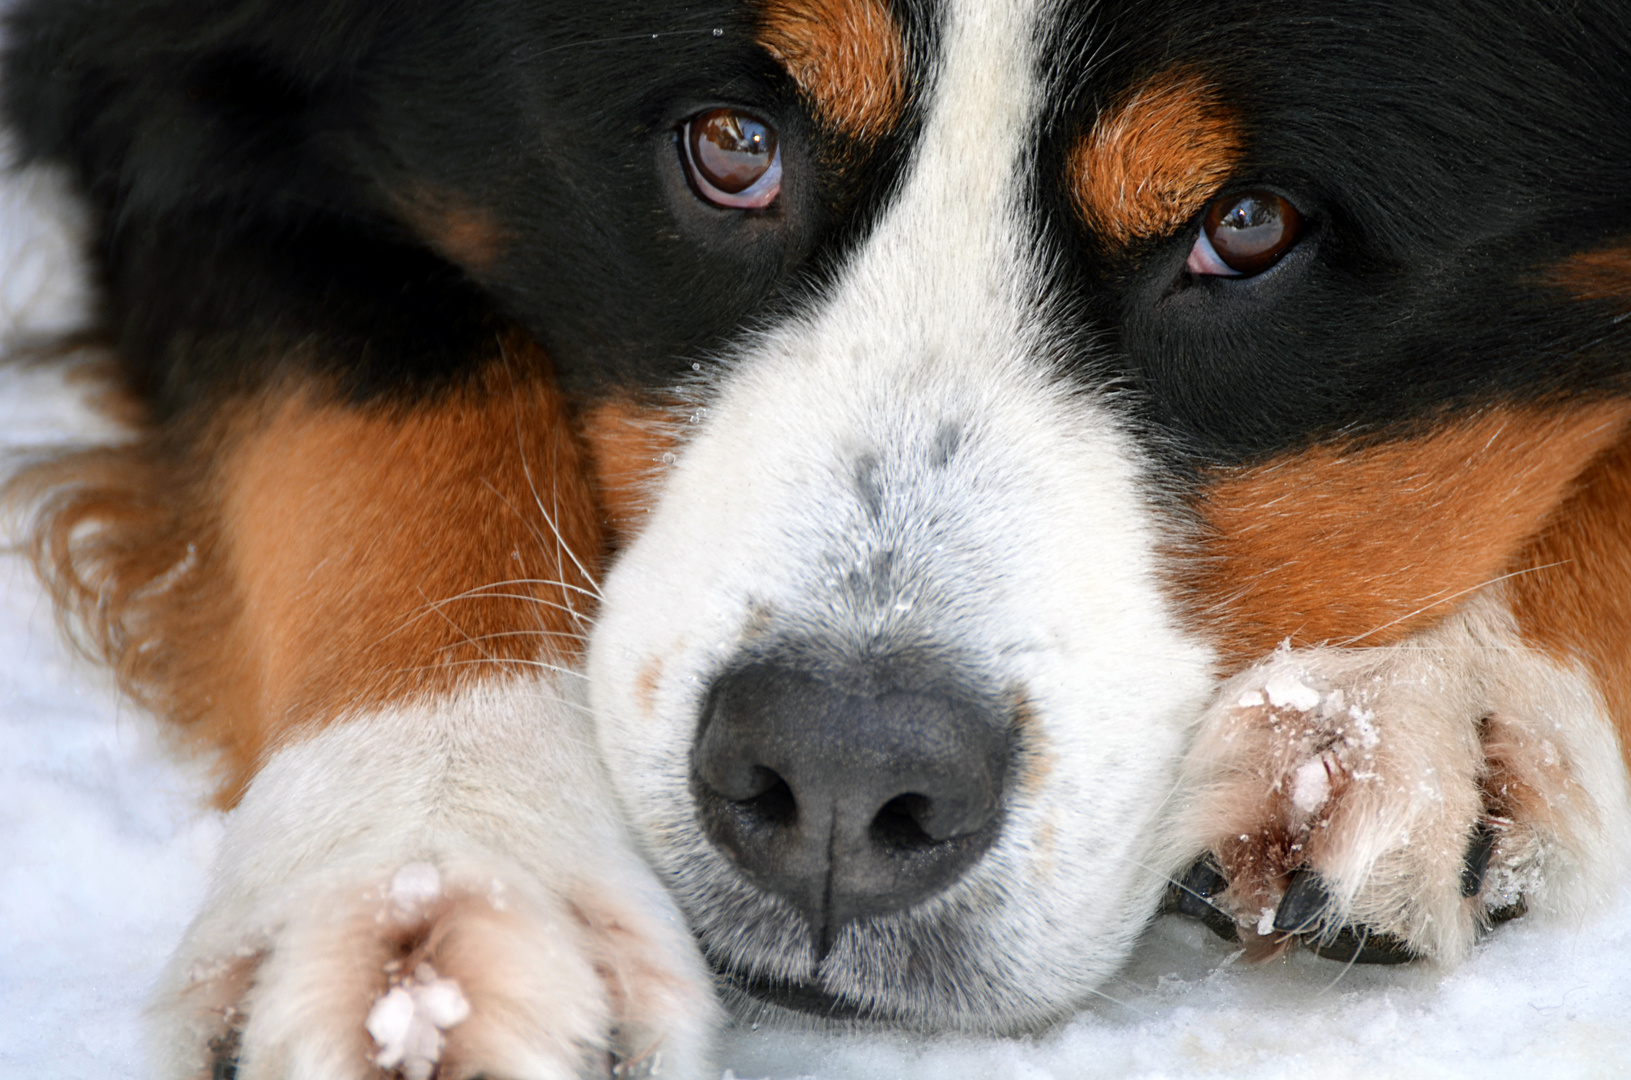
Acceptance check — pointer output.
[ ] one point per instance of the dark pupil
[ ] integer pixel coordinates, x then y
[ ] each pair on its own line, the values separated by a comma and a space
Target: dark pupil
1254, 225
1252, 232
731, 150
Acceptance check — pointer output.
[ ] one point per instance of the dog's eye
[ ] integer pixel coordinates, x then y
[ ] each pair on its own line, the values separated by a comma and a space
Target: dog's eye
732, 159
1244, 234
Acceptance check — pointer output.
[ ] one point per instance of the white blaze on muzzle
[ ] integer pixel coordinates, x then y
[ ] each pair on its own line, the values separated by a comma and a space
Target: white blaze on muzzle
901, 471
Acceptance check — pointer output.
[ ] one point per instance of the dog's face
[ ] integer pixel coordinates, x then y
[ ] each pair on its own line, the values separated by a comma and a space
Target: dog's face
894, 677
967, 379
973, 384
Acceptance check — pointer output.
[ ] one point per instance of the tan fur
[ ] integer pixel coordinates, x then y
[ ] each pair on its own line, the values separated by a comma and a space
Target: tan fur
1154, 159
1368, 544
465, 233
629, 443
303, 558
1572, 597
1604, 274
847, 56
125, 540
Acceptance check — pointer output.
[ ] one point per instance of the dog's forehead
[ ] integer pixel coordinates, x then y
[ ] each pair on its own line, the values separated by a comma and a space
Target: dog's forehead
1417, 144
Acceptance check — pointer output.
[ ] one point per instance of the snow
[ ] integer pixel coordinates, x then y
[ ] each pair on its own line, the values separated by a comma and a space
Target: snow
104, 851
415, 885
1311, 784
1289, 692
407, 1022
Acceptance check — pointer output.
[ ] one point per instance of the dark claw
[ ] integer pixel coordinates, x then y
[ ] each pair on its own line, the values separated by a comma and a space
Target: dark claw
224, 1056
1302, 912
1362, 947
1476, 862
1192, 897
1303, 905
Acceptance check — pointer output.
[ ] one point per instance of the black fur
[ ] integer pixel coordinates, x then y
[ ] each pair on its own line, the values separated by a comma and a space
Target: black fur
252, 167
1443, 155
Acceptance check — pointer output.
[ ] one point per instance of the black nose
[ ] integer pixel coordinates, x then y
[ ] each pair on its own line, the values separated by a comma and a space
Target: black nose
846, 798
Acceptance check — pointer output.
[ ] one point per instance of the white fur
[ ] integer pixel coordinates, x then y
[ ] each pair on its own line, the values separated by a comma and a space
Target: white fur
491, 804
1399, 729
1031, 549
902, 465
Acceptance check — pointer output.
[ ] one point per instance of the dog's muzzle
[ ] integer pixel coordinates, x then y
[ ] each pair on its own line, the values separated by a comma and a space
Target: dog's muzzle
846, 793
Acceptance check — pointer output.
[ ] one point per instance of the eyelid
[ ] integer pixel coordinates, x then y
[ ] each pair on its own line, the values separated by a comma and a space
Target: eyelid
1204, 258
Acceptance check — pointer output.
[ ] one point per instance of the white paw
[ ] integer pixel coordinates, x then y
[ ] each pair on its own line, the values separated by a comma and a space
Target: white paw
398, 901
1386, 804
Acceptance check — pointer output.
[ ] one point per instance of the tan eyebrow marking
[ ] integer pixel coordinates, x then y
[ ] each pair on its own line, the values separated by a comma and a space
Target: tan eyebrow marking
1155, 158
847, 56
1604, 274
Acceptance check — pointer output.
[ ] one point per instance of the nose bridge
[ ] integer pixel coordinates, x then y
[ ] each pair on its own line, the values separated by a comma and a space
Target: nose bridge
945, 257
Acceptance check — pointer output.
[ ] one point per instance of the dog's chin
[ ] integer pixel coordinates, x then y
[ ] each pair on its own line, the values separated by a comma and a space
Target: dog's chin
756, 998
906, 969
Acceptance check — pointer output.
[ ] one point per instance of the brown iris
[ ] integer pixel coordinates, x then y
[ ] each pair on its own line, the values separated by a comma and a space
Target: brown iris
730, 151
1252, 230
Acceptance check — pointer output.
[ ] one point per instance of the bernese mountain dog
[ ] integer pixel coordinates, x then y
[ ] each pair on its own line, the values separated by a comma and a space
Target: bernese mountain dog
844, 506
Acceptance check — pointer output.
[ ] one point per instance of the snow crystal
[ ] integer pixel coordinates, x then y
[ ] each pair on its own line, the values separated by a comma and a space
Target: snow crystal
1363, 726
407, 1022
1289, 692
1251, 699
415, 885
1311, 785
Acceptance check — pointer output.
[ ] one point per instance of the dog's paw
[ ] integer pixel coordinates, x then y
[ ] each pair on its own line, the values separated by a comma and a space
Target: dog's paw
444, 892
451, 976
1379, 804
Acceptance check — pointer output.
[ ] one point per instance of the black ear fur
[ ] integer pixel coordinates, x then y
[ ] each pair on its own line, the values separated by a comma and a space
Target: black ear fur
165, 105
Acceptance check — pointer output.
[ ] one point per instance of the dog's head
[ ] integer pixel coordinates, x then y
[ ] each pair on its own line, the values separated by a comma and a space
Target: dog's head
972, 383
1145, 338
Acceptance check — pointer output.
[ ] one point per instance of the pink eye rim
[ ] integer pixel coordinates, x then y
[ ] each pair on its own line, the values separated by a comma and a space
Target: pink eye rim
1243, 234
726, 175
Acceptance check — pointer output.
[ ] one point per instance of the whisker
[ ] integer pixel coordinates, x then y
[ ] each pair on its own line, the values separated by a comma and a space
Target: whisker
1129, 1006
548, 583
541, 664
461, 630
569, 634
526, 470
1364, 936
537, 534
1452, 596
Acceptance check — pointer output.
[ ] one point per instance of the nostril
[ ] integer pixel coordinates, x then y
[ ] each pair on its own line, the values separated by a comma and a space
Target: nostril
843, 797
738, 779
774, 805
898, 828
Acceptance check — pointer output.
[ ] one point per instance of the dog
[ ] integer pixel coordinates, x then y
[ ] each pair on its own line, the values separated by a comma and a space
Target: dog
844, 507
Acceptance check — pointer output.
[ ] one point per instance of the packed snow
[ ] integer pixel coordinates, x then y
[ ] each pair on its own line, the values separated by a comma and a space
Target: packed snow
105, 847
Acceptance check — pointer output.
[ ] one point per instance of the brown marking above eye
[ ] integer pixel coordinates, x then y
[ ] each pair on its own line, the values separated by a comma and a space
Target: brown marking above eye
1604, 274
456, 228
1154, 158
847, 56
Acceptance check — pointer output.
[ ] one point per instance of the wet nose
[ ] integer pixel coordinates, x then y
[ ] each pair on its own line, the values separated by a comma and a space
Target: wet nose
846, 798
